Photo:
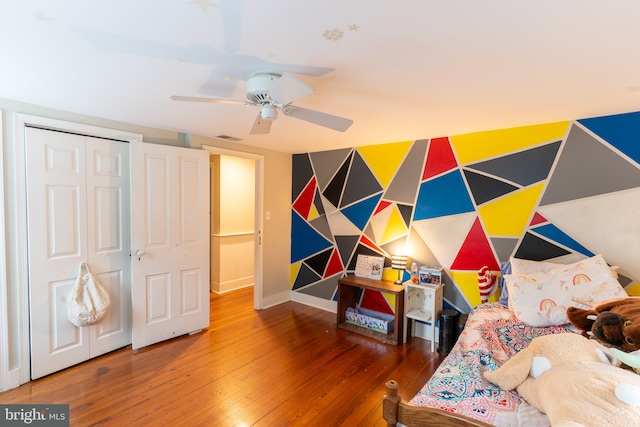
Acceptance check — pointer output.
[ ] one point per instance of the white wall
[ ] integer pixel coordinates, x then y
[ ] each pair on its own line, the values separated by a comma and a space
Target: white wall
237, 195
233, 222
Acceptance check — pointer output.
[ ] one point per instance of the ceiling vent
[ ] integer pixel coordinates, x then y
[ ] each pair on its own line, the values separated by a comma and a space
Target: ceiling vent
229, 138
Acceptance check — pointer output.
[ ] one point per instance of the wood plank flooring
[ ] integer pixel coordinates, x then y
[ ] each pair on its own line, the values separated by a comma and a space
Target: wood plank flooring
284, 366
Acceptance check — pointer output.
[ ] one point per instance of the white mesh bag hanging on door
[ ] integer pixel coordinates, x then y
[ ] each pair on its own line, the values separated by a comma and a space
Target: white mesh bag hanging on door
89, 302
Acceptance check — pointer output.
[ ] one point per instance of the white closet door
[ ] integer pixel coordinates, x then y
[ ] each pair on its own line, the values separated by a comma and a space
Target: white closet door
109, 239
170, 235
78, 210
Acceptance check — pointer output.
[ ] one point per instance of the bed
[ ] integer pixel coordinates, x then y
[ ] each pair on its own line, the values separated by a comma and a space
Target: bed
531, 304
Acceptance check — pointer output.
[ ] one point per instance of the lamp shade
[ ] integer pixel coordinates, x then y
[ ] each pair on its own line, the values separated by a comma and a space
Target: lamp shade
399, 262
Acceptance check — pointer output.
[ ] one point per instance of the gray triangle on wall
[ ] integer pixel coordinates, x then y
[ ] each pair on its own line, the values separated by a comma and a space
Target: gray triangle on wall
322, 226
586, 168
404, 186
324, 289
504, 247
326, 164
361, 183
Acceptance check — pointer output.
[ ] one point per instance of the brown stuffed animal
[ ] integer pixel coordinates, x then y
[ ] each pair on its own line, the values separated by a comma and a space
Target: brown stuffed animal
616, 322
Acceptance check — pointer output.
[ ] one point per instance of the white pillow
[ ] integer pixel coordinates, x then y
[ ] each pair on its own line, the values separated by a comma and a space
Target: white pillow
526, 266
542, 298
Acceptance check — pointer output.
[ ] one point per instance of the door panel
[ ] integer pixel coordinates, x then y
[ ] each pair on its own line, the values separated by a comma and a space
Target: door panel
64, 339
170, 241
77, 211
109, 238
56, 200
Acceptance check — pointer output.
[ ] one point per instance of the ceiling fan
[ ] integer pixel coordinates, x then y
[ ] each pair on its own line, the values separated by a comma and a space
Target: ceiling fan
273, 93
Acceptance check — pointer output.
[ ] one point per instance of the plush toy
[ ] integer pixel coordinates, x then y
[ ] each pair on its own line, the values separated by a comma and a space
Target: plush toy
574, 380
616, 323
487, 283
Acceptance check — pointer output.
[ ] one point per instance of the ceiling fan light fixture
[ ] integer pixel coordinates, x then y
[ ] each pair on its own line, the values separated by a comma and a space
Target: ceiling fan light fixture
269, 112
273, 92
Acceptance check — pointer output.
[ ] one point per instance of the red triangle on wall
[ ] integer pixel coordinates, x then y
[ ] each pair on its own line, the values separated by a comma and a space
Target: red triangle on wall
334, 266
475, 251
365, 241
439, 159
538, 219
374, 300
303, 204
383, 204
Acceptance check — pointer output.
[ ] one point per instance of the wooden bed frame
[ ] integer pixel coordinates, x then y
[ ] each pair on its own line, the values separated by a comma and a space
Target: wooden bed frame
394, 411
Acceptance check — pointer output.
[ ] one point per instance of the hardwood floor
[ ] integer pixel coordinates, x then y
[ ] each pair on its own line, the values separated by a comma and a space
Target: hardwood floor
285, 366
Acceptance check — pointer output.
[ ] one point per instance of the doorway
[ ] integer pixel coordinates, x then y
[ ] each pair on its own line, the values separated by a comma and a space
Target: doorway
258, 163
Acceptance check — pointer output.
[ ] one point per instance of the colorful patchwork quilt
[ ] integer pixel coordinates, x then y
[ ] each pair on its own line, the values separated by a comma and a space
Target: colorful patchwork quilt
492, 335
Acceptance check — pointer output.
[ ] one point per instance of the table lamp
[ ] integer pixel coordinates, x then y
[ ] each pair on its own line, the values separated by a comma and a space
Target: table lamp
399, 262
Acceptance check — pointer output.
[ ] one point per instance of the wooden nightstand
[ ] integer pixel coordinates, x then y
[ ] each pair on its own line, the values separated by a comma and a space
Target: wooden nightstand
423, 303
347, 297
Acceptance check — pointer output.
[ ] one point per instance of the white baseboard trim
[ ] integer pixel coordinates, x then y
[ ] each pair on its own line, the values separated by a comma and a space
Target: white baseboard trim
274, 300
316, 302
231, 285
220, 292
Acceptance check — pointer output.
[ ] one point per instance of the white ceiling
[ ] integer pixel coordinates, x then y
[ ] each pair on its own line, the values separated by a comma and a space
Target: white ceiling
401, 69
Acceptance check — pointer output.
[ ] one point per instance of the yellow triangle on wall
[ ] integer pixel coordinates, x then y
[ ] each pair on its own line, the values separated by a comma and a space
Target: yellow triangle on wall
510, 215
391, 299
389, 274
293, 272
385, 159
467, 282
473, 147
633, 290
313, 213
396, 226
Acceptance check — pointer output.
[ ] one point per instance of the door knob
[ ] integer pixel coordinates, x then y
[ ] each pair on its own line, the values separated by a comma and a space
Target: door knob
139, 253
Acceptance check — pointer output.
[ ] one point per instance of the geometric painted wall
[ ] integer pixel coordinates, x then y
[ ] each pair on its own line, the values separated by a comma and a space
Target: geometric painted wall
557, 191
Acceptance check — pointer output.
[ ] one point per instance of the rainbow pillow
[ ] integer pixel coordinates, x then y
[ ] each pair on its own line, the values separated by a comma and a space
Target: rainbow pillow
542, 298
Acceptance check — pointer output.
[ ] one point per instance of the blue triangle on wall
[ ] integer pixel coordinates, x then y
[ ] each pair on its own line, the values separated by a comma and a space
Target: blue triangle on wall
359, 213
442, 196
305, 241
620, 130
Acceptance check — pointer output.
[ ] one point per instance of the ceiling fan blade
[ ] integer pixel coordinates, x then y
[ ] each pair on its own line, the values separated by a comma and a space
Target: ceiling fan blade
261, 126
211, 100
287, 89
323, 119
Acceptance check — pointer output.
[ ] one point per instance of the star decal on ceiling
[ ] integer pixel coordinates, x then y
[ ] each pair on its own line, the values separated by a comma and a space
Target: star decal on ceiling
334, 34
204, 4
39, 16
